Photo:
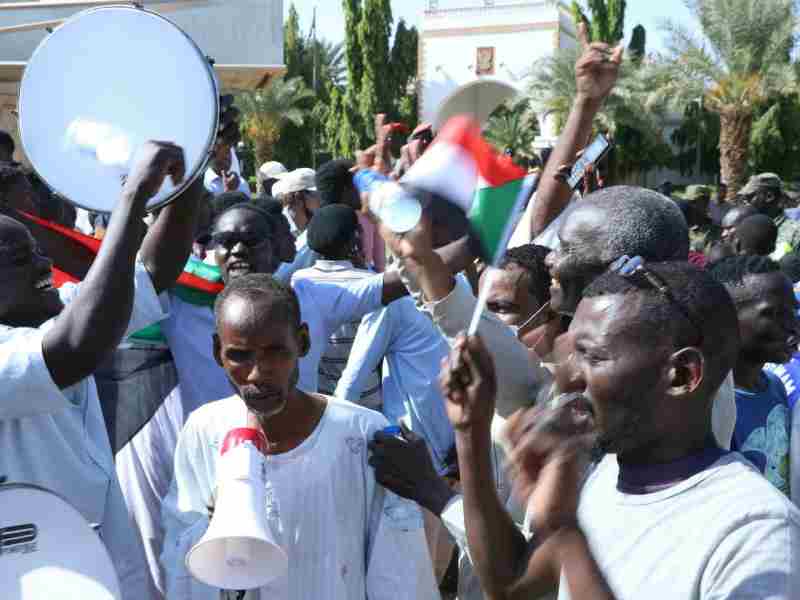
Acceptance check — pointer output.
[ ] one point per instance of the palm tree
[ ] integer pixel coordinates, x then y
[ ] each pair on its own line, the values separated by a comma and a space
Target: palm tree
330, 63
513, 127
265, 111
741, 60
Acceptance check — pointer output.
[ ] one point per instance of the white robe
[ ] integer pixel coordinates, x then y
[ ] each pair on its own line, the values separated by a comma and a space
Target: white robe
346, 537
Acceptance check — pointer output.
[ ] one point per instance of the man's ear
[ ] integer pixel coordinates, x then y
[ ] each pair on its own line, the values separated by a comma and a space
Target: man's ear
687, 371
303, 340
217, 349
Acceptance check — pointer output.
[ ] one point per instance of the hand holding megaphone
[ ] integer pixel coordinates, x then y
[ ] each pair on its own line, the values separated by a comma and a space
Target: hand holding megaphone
153, 162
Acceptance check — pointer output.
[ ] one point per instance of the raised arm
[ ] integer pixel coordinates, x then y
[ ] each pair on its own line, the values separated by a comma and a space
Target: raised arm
92, 325
168, 242
596, 72
496, 545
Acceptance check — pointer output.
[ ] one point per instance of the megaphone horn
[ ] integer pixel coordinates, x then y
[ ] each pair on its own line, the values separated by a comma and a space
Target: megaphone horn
238, 551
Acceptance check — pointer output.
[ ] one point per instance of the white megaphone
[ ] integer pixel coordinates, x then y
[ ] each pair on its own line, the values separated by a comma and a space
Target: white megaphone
238, 551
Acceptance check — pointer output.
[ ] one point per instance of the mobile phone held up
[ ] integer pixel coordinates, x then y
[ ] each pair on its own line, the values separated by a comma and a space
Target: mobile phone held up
592, 154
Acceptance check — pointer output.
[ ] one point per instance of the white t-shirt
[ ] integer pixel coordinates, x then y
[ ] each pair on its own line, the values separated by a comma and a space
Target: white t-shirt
724, 534
345, 536
57, 439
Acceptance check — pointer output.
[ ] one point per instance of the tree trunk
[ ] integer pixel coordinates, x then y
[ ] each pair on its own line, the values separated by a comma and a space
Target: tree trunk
734, 144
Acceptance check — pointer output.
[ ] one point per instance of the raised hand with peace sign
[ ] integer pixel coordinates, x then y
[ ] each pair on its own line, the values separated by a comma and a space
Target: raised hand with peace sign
597, 70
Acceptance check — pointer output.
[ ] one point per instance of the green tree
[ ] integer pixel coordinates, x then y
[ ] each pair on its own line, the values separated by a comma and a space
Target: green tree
513, 126
374, 30
352, 133
739, 62
775, 140
266, 111
700, 127
404, 73
297, 143
293, 45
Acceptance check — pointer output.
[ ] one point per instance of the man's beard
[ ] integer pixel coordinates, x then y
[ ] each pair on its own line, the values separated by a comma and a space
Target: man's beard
621, 437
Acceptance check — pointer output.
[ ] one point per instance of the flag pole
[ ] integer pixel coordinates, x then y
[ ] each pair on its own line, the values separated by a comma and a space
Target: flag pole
529, 186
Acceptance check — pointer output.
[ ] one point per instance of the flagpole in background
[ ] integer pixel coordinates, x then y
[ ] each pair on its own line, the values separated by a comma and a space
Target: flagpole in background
528, 188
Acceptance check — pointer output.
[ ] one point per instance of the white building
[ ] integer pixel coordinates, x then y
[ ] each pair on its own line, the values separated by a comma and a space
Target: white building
476, 54
244, 37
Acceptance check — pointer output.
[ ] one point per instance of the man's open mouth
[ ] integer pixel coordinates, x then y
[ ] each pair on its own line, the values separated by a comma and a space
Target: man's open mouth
44, 284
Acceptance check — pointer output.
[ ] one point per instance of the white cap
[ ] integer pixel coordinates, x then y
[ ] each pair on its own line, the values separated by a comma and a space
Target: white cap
271, 170
296, 181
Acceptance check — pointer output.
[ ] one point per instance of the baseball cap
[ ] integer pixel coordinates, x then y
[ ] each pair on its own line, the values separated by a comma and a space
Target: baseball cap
762, 181
272, 170
295, 181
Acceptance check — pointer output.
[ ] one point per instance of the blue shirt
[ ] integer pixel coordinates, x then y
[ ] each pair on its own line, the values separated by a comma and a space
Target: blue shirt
325, 307
304, 258
763, 425
789, 374
413, 349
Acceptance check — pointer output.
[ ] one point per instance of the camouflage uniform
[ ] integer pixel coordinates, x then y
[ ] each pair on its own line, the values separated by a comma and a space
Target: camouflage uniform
788, 229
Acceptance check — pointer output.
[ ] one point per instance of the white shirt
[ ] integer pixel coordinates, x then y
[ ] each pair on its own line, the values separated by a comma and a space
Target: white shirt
325, 307
304, 258
723, 534
413, 349
189, 330
549, 237
345, 536
216, 185
334, 359
58, 440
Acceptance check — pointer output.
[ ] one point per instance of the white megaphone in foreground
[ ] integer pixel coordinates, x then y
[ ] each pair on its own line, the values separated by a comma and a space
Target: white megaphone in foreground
238, 551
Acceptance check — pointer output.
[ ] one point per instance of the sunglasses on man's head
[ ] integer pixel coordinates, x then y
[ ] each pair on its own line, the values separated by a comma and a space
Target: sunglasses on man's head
630, 268
230, 239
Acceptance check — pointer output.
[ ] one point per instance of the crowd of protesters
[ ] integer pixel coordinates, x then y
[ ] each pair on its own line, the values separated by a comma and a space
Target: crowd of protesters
623, 424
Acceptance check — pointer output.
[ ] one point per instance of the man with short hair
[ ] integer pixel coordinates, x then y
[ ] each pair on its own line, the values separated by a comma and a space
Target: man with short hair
16, 192
652, 345
335, 185
284, 240
755, 236
768, 324
345, 536
735, 215
335, 235
52, 428
222, 175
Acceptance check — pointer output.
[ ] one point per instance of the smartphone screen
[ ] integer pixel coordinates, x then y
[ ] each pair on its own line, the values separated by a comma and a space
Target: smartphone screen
591, 155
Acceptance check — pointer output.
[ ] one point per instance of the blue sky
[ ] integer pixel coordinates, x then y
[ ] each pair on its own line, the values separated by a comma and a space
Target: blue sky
330, 19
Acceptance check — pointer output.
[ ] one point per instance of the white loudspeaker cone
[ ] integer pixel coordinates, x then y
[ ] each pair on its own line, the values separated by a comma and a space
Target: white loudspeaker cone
236, 563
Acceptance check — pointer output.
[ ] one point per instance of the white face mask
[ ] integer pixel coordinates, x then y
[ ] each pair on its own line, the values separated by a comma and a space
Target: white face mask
517, 328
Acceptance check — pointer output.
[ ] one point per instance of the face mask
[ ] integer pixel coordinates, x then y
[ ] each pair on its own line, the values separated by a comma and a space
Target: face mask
532, 321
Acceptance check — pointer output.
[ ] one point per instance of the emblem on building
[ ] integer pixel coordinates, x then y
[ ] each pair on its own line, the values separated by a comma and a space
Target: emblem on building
485, 61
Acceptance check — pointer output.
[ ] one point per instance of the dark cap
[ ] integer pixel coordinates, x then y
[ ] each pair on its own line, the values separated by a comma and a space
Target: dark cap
331, 228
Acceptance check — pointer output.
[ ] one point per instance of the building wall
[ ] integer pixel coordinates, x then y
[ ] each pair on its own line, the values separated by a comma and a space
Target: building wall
519, 32
247, 32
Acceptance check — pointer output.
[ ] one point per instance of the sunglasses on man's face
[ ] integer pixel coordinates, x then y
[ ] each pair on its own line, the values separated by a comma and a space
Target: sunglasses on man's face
630, 268
230, 239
